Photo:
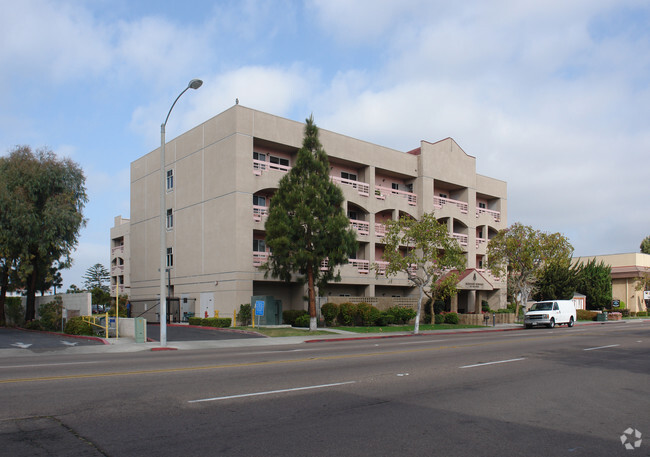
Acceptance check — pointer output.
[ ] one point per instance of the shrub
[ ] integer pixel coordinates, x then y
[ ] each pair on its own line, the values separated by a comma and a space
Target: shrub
220, 322
505, 311
347, 313
384, 318
50, 314
364, 315
195, 320
438, 307
77, 326
642, 313
439, 319
289, 316
625, 312
586, 315
14, 311
33, 325
302, 320
245, 314
451, 318
485, 306
329, 311
402, 315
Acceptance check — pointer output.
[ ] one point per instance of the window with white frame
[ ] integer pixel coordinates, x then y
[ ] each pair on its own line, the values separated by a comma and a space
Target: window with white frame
259, 156
481, 205
259, 200
259, 245
170, 257
170, 219
170, 179
350, 176
279, 160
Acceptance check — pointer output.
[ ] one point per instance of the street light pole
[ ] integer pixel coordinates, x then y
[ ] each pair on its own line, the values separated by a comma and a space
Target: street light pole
193, 84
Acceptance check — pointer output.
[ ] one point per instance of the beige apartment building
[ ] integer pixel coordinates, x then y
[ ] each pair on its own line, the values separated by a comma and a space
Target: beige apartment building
627, 271
120, 257
221, 175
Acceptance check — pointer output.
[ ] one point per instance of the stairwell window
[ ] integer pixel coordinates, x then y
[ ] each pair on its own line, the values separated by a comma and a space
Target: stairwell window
170, 257
170, 180
170, 219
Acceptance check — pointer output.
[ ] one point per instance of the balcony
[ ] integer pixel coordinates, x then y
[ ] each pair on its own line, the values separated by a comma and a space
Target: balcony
480, 241
362, 227
259, 166
361, 187
117, 269
382, 265
381, 192
117, 250
462, 239
363, 266
260, 212
496, 215
260, 258
380, 230
439, 202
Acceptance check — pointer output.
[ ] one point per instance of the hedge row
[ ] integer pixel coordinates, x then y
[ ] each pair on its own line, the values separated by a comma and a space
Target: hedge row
220, 322
364, 314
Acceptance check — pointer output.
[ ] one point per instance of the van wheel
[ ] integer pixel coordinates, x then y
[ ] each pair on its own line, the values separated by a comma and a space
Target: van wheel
529, 325
571, 322
552, 323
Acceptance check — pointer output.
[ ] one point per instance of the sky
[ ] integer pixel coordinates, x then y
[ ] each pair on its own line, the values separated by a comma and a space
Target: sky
552, 97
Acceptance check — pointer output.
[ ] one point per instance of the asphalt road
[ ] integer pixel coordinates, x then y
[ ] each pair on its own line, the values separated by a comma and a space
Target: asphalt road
529, 393
187, 333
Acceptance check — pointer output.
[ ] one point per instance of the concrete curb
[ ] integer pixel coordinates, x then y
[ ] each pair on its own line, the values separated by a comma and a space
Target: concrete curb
83, 337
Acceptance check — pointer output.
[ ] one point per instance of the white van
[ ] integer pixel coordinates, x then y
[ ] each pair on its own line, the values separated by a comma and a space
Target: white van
551, 313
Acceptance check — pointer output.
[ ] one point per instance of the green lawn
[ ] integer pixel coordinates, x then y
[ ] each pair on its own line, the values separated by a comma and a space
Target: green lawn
278, 332
406, 328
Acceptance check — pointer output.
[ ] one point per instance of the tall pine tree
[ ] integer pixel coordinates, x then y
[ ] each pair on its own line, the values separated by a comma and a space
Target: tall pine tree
307, 224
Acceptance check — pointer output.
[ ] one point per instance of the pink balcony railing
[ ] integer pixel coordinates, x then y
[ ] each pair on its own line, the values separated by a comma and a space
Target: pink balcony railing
381, 192
439, 202
117, 269
462, 239
260, 212
362, 187
380, 229
480, 241
260, 258
363, 266
260, 166
496, 215
381, 266
117, 250
362, 227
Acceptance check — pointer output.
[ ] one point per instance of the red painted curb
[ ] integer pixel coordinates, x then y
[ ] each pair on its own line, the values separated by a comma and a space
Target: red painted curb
164, 349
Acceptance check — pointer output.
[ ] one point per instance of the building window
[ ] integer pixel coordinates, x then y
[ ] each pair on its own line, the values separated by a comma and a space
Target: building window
259, 156
259, 200
259, 246
409, 188
279, 160
170, 179
170, 219
481, 205
441, 195
350, 176
394, 186
352, 215
170, 257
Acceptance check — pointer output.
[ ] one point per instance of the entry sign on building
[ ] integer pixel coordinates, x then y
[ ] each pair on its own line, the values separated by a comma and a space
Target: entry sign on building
259, 307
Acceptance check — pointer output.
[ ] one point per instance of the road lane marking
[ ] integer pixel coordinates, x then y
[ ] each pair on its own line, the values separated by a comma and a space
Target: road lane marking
602, 347
271, 392
492, 363
45, 365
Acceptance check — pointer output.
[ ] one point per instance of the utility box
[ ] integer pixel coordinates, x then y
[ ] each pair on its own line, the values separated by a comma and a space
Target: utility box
602, 317
140, 329
266, 310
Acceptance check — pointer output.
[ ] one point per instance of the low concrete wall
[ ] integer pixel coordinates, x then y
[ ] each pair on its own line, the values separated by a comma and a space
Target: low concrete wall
76, 304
